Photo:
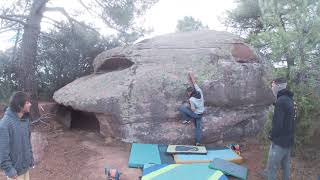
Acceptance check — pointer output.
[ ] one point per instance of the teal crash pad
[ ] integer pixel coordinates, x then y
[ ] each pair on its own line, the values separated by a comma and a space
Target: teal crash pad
143, 154
226, 154
229, 168
198, 171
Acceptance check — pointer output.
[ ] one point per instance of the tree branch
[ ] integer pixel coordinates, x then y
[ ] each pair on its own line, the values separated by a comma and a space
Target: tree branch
17, 15
54, 22
84, 5
41, 5
283, 24
9, 26
100, 16
61, 10
70, 19
8, 30
14, 52
99, 3
6, 17
48, 36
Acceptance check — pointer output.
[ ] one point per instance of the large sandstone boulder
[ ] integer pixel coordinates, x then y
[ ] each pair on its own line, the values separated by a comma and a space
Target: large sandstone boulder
134, 91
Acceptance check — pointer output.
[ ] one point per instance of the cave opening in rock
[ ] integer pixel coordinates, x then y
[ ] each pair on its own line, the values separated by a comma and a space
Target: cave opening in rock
115, 64
84, 121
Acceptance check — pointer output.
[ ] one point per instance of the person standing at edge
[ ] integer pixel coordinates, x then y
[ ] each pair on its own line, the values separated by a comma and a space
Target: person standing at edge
16, 156
195, 108
282, 132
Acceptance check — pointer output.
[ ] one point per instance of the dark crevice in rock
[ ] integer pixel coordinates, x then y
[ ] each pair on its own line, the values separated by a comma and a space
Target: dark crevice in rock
63, 114
115, 64
84, 121
75, 119
134, 72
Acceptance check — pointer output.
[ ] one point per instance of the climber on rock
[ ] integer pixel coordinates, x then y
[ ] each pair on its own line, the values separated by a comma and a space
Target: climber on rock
194, 109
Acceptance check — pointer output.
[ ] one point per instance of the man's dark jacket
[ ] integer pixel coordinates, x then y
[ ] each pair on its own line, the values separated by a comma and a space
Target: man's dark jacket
282, 133
16, 155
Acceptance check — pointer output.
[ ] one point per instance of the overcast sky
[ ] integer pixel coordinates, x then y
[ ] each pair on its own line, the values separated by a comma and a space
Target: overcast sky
162, 17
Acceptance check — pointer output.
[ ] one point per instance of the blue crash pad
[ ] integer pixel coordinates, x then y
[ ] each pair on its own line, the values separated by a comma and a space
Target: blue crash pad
164, 156
143, 154
229, 168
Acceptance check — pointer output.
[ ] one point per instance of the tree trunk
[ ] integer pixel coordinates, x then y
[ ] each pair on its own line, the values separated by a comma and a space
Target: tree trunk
28, 63
290, 64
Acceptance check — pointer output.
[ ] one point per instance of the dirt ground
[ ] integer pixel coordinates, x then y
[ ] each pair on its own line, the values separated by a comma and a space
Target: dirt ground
64, 154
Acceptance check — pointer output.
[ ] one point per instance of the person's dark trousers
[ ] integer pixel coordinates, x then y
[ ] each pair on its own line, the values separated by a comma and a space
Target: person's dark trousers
187, 114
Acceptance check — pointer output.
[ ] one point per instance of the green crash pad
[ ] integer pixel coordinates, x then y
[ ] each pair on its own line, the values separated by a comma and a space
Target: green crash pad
199, 171
143, 154
185, 149
226, 154
229, 168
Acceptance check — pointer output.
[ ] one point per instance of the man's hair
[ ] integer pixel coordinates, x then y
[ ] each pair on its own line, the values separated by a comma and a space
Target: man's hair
194, 92
280, 80
190, 89
18, 100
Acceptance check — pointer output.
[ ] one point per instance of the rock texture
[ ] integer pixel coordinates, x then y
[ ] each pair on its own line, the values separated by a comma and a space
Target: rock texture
135, 91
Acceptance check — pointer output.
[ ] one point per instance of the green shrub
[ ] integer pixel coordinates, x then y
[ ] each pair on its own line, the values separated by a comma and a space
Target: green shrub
5, 92
308, 105
263, 136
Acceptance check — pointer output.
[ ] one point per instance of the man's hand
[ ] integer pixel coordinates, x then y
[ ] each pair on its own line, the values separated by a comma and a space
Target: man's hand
191, 78
193, 109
